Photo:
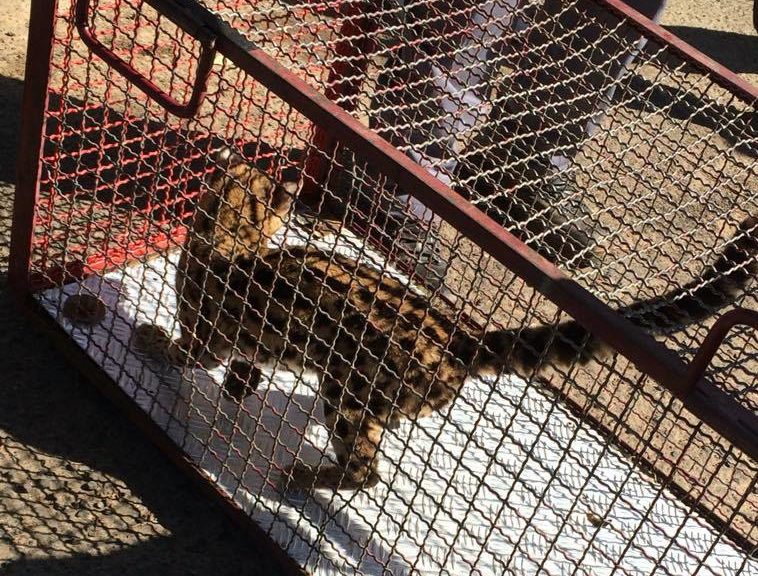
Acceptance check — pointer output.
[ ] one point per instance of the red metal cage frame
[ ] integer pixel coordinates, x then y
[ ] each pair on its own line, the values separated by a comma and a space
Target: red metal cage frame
698, 394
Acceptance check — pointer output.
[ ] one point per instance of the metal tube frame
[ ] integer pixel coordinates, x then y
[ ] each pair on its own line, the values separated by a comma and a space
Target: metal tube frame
33, 105
151, 90
698, 394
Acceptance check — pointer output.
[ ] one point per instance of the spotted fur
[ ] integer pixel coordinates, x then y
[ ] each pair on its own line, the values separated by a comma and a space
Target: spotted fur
382, 351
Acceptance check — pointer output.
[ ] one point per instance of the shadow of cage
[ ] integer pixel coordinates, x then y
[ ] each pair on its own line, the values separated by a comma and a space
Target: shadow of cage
309, 349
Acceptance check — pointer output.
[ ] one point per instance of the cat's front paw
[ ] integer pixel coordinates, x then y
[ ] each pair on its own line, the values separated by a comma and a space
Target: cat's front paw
303, 477
297, 478
241, 380
151, 340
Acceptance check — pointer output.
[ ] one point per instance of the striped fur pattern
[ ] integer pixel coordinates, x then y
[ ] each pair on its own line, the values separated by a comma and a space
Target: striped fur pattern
383, 353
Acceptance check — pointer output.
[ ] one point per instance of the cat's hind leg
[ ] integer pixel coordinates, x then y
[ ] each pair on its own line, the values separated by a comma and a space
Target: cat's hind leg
355, 439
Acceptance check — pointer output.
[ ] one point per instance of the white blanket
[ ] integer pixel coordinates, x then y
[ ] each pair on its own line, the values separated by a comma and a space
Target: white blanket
505, 482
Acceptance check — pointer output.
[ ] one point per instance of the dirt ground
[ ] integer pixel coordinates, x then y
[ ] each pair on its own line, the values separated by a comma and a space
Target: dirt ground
81, 491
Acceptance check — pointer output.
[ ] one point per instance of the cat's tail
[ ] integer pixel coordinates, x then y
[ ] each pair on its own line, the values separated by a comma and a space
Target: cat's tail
529, 349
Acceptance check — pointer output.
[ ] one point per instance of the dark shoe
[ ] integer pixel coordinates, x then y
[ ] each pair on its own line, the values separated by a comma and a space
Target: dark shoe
547, 215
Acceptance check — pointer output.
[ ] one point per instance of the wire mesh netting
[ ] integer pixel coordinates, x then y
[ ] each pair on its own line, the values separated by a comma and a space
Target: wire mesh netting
613, 157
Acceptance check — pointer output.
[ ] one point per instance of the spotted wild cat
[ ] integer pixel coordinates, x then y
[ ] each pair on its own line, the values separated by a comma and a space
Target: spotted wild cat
383, 353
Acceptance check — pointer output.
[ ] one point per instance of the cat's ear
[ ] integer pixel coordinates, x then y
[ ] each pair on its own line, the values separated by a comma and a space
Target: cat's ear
284, 196
227, 157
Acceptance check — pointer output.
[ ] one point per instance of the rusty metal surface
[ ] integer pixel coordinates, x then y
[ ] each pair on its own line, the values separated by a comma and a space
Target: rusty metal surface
32, 114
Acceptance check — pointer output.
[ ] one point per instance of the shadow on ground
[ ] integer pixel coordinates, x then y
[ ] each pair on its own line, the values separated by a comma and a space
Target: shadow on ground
10, 124
85, 478
738, 52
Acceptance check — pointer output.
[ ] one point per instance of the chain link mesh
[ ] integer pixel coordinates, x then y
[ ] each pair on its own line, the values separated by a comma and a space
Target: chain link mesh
589, 469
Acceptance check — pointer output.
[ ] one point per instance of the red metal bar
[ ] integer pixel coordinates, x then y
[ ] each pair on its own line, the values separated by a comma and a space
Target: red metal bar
345, 80
39, 51
721, 74
151, 90
716, 335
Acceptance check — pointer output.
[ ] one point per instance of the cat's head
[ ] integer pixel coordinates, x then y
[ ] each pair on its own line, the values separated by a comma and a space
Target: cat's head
241, 208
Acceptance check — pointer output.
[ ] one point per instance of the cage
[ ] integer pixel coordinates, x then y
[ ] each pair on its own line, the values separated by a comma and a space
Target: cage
643, 461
